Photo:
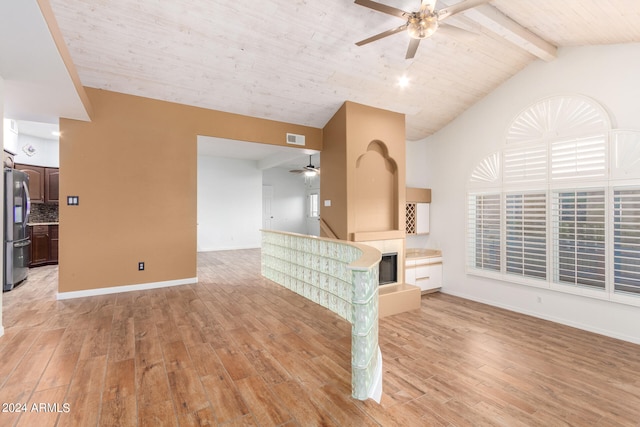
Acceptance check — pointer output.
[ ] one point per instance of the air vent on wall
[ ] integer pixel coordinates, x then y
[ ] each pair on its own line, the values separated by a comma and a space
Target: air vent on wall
294, 139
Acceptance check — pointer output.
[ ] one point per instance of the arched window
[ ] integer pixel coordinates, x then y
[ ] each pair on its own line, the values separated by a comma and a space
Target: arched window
559, 205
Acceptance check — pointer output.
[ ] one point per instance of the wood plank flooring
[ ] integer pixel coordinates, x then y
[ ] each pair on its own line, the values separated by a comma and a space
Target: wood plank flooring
238, 350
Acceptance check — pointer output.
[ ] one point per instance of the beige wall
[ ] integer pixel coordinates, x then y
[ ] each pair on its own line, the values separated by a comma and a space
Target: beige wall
369, 185
333, 179
134, 168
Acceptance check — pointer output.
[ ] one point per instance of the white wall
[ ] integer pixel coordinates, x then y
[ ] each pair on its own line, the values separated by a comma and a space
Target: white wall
289, 200
47, 152
608, 74
10, 142
312, 185
1, 191
229, 204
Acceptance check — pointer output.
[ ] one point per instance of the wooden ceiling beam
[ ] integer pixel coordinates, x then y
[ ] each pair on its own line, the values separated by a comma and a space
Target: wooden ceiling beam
494, 20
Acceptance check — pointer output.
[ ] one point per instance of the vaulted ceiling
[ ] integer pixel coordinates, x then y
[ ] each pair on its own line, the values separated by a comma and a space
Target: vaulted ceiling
296, 60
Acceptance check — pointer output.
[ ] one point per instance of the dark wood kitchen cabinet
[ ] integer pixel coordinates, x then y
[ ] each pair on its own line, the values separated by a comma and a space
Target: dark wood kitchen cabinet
51, 185
36, 181
44, 183
44, 244
40, 245
53, 244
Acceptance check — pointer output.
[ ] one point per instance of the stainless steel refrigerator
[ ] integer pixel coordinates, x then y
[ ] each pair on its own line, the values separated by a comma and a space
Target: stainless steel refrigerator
17, 246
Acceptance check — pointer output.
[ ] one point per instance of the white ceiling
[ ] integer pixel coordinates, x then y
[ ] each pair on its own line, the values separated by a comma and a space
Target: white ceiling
39, 129
265, 156
296, 60
37, 84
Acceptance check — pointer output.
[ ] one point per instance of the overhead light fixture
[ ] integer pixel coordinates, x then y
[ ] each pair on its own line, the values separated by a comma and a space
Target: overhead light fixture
403, 81
421, 26
308, 171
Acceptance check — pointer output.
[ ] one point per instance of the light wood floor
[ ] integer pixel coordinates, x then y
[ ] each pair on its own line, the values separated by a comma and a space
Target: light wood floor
237, 350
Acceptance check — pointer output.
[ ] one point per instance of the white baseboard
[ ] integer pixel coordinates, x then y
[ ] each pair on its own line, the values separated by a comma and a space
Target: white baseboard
126, 288
562, 321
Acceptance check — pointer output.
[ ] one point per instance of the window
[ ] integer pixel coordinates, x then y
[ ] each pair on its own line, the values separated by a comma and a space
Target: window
485, 240
525, 234
553, 208
626, 240
579, 238
578, 158
314, 206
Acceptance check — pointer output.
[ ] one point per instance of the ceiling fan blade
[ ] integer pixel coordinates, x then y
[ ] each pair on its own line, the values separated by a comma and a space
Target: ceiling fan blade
429, 5
413, 47
458, 8
382, 34
382, 8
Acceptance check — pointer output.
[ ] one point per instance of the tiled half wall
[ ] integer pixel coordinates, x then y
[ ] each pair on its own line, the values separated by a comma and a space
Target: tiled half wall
342, 277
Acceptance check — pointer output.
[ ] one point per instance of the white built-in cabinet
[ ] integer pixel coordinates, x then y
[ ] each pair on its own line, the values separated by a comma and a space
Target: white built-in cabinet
417, 210
422, 218
426, 273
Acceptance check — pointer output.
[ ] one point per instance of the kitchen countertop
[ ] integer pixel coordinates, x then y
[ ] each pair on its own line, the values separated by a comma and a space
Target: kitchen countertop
414, 253
43, 223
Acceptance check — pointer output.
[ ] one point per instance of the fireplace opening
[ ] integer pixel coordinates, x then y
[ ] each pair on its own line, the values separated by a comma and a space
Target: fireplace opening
388, 269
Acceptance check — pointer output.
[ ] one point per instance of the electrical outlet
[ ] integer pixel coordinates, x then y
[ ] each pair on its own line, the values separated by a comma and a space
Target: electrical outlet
140, 266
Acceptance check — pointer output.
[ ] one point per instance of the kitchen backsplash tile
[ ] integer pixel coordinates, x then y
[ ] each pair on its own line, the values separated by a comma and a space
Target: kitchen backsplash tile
44, 212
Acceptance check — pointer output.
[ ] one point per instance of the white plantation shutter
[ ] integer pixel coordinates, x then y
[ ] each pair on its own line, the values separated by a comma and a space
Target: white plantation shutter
579, 237
558, 206
626, 240
525, 165
525, 234
579, 158
484, 231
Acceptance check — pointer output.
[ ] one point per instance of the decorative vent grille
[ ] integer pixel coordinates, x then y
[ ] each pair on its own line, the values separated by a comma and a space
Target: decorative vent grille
411, 218
294, 139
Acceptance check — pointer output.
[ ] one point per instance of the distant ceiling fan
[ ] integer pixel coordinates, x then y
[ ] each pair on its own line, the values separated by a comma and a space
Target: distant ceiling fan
308, 170
420, 24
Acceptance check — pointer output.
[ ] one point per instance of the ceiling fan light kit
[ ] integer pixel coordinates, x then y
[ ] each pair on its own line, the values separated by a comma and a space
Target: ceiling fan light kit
421, 24
421, 27
308, 171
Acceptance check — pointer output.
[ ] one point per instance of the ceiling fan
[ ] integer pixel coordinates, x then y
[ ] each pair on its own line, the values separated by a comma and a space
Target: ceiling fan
420, 24
308, 170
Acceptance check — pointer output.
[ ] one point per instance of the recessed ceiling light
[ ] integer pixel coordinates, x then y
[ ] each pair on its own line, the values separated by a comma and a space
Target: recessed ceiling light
403, 82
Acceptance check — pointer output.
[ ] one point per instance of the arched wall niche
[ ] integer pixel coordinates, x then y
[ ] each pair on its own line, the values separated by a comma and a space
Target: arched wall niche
376, 190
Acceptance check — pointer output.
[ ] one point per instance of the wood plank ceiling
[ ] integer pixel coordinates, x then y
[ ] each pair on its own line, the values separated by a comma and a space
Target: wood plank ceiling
296, 61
